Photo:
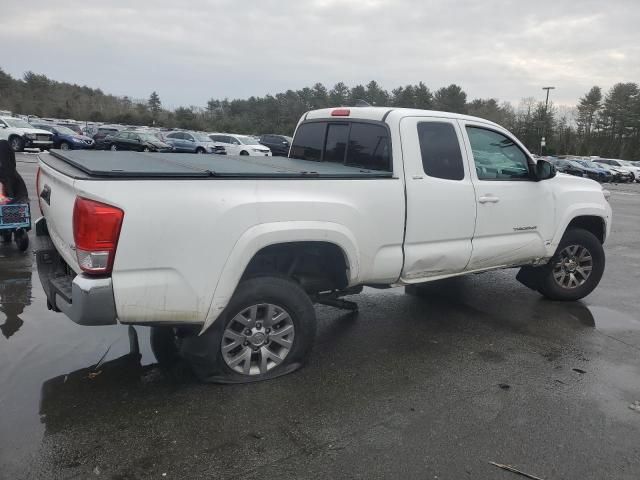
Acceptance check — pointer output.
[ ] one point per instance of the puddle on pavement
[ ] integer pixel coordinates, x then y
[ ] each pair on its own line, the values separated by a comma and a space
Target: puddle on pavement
41, 350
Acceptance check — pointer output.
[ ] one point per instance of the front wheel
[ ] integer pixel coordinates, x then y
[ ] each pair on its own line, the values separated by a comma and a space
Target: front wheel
65, 146
200, 151
244, 152
576, 268
113, 148
266, 331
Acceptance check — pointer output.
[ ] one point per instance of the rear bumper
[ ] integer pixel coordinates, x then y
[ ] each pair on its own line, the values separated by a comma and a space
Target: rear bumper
84, 299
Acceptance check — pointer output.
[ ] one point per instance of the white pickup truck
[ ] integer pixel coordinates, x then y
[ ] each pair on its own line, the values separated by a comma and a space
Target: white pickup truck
230, 253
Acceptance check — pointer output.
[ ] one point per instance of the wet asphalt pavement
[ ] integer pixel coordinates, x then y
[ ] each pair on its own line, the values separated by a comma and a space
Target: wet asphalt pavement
477, 369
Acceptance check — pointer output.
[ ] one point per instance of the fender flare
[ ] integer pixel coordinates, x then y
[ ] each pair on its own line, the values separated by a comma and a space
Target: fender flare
263, 235
581, 210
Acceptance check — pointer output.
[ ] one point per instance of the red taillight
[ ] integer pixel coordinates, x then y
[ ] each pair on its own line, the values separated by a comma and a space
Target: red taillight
341, 112
38, 190
96, 229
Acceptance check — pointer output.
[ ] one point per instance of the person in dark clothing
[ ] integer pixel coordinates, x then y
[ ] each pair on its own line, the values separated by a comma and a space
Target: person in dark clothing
13, 185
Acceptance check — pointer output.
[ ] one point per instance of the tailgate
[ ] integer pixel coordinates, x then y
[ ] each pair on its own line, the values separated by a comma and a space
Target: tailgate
57, 197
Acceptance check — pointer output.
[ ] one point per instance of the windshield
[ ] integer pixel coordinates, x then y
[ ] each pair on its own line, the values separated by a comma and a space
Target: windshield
65, 130
246, 140
201, 137
17, 123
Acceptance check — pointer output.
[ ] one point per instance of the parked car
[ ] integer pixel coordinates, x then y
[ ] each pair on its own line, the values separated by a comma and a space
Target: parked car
604, 174
192, 142
569, 167
278, 144
21, 135
65, 138
136, 141
358, 202
621, 165
240, 144
102, 133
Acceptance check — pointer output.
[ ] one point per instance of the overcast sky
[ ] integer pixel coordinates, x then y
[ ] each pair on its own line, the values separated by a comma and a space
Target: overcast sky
197, 49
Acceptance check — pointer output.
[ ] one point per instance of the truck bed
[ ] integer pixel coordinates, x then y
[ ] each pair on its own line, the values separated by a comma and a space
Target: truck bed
88, 164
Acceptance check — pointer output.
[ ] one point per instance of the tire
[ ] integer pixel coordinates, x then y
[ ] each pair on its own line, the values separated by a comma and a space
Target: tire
146, 149
16, 143
241, 346
65, 146
22, 240
244, 152
6, 237
563, 278
200, 150
113, 147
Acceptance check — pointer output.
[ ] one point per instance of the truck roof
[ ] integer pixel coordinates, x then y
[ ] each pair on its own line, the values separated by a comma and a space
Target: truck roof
381, 113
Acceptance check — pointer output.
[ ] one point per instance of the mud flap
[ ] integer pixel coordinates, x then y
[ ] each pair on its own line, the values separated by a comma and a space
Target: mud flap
531, 277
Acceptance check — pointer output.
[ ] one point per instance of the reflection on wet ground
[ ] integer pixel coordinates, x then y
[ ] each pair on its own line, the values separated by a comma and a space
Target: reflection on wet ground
477, 364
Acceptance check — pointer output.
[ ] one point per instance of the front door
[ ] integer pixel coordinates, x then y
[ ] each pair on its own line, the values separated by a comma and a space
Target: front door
515, 212
441, 204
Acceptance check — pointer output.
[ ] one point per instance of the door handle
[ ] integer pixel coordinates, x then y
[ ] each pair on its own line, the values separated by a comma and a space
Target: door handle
488, 199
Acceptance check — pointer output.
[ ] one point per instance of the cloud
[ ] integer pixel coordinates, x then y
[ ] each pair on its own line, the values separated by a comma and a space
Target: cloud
192, 51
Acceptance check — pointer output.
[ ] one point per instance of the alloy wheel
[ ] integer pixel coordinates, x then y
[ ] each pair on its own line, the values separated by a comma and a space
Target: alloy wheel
573, 267
258, 339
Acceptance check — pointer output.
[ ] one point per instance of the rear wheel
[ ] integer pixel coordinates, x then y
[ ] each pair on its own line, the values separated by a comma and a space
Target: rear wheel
146, 149
266, 331
16, 143
113, 147
576, 268
6, 237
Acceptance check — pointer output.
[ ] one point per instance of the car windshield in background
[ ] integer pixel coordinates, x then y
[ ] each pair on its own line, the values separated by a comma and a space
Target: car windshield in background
247, 140
17, 123
201, 137
65, 130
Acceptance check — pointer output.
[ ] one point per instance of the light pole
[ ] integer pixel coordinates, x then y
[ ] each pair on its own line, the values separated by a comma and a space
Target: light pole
543, 141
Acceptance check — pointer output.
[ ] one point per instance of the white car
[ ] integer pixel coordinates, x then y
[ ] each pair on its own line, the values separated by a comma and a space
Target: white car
624, 165
240, 144
369, 196
21, 134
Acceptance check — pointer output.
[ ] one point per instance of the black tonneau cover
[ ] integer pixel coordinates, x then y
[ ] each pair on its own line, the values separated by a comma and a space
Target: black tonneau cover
108, 164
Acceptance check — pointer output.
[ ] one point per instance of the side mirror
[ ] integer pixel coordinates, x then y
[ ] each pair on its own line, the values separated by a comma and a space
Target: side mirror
544, 170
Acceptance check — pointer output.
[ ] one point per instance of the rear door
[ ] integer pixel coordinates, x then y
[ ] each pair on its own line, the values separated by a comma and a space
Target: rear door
516, 213
441, 204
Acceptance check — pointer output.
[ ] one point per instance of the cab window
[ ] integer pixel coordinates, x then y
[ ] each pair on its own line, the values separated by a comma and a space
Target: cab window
496, 156
440, 149
357, 144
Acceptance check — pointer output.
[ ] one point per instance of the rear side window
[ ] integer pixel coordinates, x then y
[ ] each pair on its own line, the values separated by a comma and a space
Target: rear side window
309, 141
358, 144
440, 149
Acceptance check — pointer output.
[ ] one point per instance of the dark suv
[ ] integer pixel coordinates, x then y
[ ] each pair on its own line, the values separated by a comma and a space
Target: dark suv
136, 141
279, 144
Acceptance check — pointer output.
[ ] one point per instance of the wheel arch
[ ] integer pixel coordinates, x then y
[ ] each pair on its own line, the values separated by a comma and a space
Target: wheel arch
591, 223
327, 236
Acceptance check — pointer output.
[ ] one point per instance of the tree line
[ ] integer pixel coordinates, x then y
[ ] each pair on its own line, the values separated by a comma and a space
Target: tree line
604, 124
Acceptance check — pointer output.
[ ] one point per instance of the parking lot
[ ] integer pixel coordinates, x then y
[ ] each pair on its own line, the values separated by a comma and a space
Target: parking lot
478, 369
